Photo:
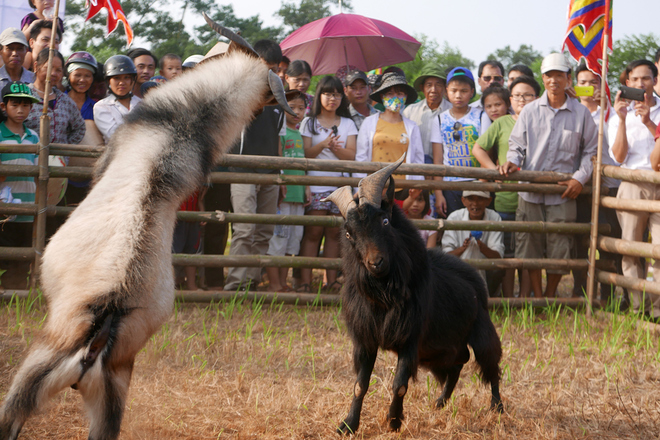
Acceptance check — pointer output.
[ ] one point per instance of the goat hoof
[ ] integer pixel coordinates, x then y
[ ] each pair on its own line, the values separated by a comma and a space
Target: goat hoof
395, 425
497, 406
440, 403
346, 428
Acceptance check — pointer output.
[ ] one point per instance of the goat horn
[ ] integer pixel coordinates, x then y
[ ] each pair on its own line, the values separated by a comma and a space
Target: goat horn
371, 187
277, 88
343, 198
232, 36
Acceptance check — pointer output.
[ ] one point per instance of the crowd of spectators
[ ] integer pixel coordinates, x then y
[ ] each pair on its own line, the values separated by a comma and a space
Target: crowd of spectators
509, 126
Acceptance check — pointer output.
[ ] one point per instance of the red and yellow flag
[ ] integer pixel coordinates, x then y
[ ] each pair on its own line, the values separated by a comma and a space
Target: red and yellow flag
115, 15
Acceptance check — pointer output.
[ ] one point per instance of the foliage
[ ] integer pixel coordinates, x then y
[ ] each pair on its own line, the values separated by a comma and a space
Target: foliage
447, 57
630, 48
509, 57
295, 16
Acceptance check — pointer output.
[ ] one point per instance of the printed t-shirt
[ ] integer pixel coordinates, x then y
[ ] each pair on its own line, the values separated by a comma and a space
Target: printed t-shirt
390, 143
23, 188
345, 129
292, 146
457, 139
497, 136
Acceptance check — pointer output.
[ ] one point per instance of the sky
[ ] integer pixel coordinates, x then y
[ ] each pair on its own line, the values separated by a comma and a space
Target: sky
479, 27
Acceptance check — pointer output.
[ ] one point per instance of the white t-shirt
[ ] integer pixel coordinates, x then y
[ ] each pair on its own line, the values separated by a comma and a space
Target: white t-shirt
345, 129
640, 139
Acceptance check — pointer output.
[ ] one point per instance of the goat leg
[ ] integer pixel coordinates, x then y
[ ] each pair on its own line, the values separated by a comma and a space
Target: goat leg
363, 361
405, 367
450, 377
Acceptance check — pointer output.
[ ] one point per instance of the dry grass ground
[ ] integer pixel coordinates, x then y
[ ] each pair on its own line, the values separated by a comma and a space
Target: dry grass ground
240, 370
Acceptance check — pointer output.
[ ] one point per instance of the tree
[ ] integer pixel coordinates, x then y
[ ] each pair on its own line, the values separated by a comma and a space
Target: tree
627, 49
295, 16
448, 57
509, 57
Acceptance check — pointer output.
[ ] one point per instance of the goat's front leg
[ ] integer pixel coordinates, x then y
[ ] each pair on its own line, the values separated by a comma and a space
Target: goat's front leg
404, 369
363, 361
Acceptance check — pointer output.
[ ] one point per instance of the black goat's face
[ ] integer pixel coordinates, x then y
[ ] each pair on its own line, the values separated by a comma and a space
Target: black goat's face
369, 231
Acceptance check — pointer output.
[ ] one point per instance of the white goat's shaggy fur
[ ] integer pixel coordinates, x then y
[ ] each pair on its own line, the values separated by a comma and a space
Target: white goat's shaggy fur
107, 272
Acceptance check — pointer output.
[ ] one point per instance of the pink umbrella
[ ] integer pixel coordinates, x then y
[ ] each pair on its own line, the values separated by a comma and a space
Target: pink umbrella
332, 42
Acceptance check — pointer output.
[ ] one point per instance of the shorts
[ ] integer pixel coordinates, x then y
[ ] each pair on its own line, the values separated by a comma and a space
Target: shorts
508, 237
535, 245
318, 205
286, 238
187, 238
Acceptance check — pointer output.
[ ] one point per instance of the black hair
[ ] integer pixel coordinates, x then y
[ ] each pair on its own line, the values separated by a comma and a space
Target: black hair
39, 25
167, 56
525, 70
634, 64
496, 89
491, 63
299, 96
328, 84
6, 99
285, 60
529, 80
657, 56
269, 51
298, 67
427, 202
42, 57
138, 52
396, 70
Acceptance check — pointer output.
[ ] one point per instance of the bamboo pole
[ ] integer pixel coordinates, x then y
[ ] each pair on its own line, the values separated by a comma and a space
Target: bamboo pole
630, 204
630, 248
628, 282
595, 205
639, 176
346, 166
17, 253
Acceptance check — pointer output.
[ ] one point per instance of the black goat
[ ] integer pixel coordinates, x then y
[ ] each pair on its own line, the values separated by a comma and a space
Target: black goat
425, 306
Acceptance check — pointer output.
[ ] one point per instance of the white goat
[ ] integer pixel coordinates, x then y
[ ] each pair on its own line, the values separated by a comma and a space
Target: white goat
107, 272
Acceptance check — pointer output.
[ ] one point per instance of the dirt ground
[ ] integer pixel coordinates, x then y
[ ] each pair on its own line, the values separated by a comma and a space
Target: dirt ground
241, 370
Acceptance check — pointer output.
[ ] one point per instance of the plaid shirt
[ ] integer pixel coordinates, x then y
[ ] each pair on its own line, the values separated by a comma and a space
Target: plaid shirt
66, 124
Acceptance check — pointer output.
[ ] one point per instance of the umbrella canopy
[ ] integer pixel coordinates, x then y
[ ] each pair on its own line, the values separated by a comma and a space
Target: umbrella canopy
332, 42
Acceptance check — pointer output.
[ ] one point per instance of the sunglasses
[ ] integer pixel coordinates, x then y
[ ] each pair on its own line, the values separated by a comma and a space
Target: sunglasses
496, 78
457, 131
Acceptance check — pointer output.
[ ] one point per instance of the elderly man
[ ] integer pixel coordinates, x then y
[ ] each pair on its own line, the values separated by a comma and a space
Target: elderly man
13, 47
631, 133
432, 82
553, 133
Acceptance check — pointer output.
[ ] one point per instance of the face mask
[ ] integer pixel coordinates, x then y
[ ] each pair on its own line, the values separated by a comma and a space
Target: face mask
394, 104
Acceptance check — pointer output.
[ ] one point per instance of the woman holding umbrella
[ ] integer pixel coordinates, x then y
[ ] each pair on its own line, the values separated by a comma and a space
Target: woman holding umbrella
386, 136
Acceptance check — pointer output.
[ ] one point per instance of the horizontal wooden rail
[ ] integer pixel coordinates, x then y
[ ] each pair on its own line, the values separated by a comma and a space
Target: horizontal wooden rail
641, 176
630, 248
628, 282
630, 204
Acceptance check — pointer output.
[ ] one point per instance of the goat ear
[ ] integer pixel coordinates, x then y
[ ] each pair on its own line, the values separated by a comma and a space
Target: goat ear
389, 195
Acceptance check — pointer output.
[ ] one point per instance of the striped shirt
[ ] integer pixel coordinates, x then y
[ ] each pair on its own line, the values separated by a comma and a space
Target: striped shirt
23, 188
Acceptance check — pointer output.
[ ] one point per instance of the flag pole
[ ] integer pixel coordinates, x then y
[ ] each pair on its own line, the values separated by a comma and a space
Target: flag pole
591, 277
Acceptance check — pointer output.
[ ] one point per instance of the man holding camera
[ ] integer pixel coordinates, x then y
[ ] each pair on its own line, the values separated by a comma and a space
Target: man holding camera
631, 133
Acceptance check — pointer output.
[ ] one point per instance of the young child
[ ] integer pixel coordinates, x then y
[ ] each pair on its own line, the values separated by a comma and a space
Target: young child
16, 104
298, 77
286, 239
170, 66
418, 206
43, 10
524, 90
496, 101
454, 134
487, 244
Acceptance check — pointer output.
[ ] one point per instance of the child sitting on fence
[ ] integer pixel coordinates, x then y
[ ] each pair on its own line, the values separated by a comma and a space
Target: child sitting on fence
286, 238
474, 244
16, 104
418, 206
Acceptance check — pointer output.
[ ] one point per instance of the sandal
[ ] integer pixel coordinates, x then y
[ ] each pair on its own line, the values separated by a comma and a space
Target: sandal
333, 288
304, 288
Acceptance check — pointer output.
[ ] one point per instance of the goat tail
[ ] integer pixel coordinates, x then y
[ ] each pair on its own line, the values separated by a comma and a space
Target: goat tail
486, 346
44, 372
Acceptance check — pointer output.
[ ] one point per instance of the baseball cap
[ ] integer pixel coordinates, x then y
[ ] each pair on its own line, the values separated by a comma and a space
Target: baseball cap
458, 71
18, 89
484, 194
555, 61
12, 35
353, 76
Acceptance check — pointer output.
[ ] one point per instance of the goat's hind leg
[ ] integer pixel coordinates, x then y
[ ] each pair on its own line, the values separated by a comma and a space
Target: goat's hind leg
363, 361
488, 352
449, 376
44, 372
